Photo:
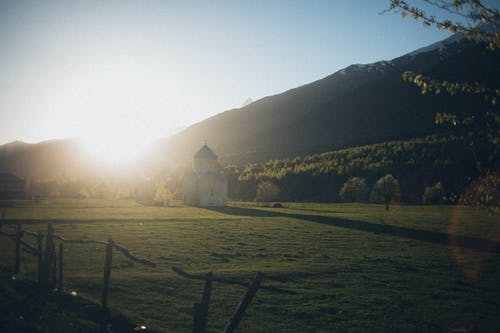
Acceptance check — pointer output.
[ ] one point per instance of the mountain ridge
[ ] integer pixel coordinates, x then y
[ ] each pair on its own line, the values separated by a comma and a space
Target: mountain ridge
284, 120
357, 105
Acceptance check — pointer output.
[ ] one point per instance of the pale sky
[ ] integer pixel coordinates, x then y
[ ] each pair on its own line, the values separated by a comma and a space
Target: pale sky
134, 71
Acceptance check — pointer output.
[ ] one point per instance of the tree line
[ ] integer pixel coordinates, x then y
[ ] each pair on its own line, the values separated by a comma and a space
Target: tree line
433, 169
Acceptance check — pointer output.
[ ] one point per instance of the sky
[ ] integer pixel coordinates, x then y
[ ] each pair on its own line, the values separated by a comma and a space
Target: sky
130, 72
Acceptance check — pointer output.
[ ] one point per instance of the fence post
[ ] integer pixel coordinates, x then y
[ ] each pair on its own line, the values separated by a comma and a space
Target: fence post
60, 284
247, 299
49, 253
53, 268
40, 256
107, 273
18, 252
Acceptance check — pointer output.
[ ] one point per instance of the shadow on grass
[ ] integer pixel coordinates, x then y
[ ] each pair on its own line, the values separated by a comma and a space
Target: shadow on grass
474, 243
24, 308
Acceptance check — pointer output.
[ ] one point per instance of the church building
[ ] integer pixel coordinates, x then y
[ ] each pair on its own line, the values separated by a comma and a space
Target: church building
206, 185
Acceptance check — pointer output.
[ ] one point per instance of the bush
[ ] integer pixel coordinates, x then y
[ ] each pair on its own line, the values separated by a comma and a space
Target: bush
354, 190
267, 191
433, 195
484, 192
163, 195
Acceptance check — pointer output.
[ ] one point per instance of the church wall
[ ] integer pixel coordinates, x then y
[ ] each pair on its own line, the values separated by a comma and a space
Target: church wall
212, 191
190, 189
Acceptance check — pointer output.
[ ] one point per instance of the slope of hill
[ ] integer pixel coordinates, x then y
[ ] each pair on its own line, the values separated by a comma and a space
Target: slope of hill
360, 104
48, 159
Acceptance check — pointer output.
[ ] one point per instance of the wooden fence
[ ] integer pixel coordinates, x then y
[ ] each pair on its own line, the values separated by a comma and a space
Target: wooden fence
200, 310
51, 264
50, 274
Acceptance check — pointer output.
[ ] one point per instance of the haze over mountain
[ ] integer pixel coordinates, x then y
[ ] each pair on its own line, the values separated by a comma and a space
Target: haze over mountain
361, 104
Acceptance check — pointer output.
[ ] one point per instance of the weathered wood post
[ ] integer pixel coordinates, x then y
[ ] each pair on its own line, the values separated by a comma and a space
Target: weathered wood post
40, 256
107, 274
60, 284
53, 268
18, 249
49, 254
247, 299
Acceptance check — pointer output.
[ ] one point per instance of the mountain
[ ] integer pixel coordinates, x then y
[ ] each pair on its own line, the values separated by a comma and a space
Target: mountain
48, 159
360, 104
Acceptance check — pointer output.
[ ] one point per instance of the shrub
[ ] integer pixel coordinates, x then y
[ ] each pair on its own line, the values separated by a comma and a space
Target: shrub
484, 192
267, 191
354, 190
433, 194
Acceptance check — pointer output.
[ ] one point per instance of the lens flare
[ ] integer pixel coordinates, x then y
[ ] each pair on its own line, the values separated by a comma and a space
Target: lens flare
472, 252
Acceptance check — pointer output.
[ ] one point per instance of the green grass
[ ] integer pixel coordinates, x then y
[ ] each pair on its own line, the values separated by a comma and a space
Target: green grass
351, 267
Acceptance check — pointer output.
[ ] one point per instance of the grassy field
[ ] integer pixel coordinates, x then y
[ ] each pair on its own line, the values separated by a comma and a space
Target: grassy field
349, 267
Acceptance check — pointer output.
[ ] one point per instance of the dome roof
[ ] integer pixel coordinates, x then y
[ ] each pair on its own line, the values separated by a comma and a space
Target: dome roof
205, 152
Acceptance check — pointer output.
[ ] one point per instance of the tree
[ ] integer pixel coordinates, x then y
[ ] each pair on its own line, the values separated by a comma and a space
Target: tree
47, 188
267, 191
474, 13
354, 190
484, 192
386, 190
163, 195
433, 194
479, 22
101, 190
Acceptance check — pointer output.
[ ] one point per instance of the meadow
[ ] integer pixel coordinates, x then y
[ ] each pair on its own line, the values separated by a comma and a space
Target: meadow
347, 267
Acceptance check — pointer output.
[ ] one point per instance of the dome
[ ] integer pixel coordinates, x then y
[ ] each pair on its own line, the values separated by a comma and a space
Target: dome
205, 152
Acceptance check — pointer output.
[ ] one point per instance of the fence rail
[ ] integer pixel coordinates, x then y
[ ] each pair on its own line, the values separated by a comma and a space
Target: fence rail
226, 280
16, 237
200, 310
50, 273
50, 265
79, 241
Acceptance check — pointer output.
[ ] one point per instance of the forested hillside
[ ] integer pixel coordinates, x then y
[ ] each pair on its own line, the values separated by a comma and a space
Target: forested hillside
416, 164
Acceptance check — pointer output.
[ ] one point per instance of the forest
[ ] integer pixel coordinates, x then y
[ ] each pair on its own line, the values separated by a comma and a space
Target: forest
446, 163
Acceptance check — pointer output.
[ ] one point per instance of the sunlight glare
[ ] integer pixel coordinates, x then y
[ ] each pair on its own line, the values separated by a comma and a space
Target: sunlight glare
115, 150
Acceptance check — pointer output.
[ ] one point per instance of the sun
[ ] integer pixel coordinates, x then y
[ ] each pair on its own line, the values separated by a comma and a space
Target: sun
115, 150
